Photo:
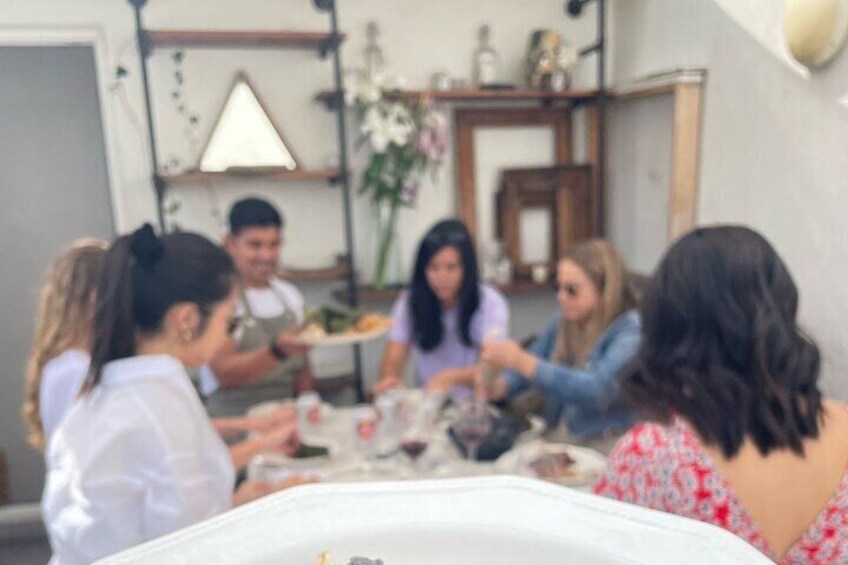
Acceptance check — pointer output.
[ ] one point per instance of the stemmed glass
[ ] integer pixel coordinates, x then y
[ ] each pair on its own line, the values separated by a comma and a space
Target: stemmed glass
418, 430
414, 443
473, 425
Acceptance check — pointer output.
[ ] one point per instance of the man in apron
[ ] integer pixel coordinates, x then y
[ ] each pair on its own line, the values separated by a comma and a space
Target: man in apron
265, 359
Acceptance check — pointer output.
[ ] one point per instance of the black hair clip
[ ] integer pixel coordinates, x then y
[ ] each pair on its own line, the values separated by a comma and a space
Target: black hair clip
146, 247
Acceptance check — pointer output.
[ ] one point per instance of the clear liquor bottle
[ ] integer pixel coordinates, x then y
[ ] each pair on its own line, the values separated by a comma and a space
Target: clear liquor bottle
487, 62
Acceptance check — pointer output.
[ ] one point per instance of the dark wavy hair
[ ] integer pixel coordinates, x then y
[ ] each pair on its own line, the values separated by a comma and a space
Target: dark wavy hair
425, 307
721, 346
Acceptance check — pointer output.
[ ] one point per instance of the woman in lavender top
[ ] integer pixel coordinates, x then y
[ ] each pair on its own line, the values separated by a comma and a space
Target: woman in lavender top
444, 316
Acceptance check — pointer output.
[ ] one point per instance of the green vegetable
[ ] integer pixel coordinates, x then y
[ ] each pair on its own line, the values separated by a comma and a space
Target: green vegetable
333, 320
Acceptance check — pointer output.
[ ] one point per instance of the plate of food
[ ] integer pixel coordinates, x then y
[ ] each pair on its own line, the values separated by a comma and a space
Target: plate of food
568, 465
327, 326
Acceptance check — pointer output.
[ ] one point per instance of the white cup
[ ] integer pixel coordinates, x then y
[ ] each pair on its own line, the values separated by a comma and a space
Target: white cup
308, 412
540, 273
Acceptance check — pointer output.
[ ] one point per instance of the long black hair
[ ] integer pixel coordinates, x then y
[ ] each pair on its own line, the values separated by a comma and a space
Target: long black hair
143, 277
721, 346
423, 303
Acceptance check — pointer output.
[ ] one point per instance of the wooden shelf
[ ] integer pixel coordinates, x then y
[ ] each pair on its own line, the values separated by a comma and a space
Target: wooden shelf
195, 177
517, 95
369, 295
521, 286
659, 84
256, 39
328, 274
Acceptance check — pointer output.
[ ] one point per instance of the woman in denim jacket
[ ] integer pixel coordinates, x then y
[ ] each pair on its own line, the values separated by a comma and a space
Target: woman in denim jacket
575, 363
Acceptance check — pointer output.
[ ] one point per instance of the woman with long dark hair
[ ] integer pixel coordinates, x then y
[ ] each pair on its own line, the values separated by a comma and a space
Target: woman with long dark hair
741, 436
137, 457
444, 315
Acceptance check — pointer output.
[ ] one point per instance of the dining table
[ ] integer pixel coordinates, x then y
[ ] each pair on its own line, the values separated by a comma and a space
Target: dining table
350, 459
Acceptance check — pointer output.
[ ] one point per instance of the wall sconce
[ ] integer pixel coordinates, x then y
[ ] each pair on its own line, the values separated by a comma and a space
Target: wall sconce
815, 30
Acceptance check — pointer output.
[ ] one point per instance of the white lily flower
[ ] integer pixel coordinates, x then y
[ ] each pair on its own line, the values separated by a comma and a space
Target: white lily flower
375, 126
388, 124
401, 125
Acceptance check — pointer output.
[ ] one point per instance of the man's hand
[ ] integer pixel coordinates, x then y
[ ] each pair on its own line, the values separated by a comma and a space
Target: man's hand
290, 343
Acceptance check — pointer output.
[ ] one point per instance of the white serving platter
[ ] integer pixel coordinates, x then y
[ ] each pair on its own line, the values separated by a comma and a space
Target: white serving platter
473, 521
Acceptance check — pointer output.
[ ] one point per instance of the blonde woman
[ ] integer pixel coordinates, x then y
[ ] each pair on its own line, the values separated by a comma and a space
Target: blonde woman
575, 363
59, 361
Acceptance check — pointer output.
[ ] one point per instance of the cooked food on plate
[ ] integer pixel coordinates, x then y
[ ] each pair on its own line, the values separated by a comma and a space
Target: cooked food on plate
553, 466
324, 321
324, 559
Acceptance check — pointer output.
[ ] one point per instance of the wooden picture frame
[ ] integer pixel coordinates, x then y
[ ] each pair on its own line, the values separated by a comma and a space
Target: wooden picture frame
467, 120
566, 191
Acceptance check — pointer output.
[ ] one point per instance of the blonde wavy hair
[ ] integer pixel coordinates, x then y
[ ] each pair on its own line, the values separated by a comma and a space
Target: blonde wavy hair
65, 314
603, 266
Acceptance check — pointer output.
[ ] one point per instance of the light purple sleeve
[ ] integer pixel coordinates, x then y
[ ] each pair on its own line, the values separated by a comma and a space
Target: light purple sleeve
401, 331
492, 315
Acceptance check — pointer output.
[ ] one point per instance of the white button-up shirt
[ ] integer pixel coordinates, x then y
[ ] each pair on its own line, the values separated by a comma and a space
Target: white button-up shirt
134, 459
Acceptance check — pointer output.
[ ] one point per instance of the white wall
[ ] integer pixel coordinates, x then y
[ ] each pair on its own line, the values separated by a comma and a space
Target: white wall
775, 148
419, 38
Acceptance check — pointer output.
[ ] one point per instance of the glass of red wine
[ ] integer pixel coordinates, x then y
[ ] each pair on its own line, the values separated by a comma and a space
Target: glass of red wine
472, 426
414, 443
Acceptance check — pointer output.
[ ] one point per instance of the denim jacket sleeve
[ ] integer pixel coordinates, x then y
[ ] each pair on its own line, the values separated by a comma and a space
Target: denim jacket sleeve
541, 348
597, 384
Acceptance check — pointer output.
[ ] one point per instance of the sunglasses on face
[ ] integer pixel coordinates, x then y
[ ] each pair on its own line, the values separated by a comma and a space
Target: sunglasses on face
569, 289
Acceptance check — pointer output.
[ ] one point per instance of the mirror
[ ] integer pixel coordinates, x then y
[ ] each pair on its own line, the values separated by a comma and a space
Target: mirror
244, 137
536, 233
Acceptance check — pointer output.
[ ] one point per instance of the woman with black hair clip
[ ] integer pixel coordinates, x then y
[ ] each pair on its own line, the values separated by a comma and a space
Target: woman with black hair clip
137, 457
444, 316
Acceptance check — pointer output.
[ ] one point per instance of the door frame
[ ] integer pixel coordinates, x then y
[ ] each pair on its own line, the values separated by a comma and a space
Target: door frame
95, 38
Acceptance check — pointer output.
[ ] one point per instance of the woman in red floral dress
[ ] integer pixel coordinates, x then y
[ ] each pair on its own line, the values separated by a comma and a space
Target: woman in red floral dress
739, 433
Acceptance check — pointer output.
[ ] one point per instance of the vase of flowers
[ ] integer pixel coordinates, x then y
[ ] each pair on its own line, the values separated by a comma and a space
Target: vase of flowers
407, 139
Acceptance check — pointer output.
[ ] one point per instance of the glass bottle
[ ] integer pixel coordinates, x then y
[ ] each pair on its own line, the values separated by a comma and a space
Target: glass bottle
375, 62
487, 62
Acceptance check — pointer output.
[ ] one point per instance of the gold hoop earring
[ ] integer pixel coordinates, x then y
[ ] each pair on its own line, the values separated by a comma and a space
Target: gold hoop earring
187, 335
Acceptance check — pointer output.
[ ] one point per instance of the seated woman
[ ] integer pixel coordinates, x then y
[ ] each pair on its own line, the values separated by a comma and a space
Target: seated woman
136, 456
743, 438
444, 316
576, 362
59, 360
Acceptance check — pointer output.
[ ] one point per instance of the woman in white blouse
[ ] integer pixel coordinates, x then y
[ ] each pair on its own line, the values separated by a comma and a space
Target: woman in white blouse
59, 360
137, 457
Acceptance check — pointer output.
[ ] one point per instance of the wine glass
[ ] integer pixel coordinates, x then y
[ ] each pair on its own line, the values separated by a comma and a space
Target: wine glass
473, 425
414, 443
